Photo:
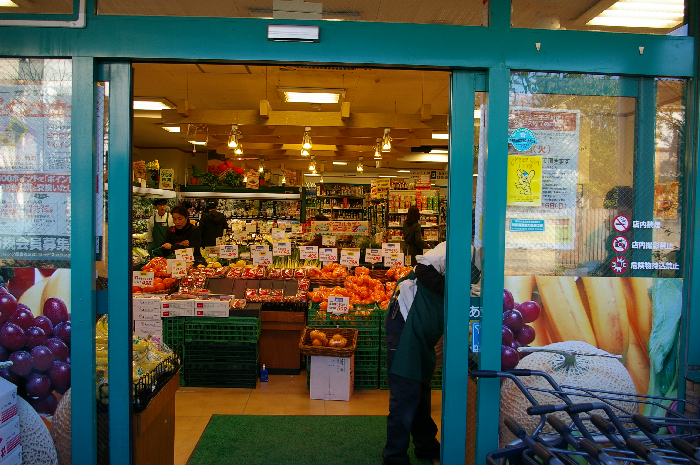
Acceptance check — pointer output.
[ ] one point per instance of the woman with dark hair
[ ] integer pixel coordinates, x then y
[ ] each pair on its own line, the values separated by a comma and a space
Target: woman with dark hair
412, 235
183, 235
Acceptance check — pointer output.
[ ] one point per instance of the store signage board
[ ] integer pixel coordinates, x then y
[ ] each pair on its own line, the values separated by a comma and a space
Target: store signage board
185, 254
394, 259
281, 249
143, 278
261, 257
475, 334
348, 227
251, 228
179, 269
228, 251
389, 248
328, 254
259, 248
350, 258
329, 241
373, 255
167, 176
338, 305
278, 234
526, 225
308, 252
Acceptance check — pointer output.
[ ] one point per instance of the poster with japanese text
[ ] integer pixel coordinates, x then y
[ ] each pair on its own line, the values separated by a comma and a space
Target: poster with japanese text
524, 178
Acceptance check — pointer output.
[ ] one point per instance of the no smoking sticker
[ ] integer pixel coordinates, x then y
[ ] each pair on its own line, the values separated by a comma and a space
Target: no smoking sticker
619, 265
621, 223
620, 244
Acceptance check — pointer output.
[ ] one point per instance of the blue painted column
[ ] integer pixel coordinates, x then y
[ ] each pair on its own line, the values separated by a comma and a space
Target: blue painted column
83, 410
455, 374
493, 259
119, 253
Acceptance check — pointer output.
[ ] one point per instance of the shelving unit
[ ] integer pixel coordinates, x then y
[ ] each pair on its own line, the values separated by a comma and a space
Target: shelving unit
399, 202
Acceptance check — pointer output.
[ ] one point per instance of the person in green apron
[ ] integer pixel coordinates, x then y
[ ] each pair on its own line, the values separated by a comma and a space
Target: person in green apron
414, 324
158, 225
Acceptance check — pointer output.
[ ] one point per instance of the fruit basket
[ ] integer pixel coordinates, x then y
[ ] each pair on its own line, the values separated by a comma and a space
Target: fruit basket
150, 384
328, 282
307, 348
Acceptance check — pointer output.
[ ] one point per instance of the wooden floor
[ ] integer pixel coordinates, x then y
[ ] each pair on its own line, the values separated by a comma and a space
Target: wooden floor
281, 395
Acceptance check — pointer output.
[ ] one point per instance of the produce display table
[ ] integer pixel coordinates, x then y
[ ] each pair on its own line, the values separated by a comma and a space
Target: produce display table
279, 340
154, 428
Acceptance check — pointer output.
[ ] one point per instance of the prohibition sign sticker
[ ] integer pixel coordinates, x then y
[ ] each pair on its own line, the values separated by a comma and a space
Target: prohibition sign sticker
621, 223
619, 265
620, 244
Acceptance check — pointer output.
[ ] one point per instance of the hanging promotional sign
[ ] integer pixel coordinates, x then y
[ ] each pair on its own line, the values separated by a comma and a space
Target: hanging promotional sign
167, 178
340, 227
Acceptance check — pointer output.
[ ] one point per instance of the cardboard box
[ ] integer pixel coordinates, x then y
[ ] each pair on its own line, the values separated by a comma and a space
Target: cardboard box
149, 304
332, 378
147, 315
8, 401
9, 440
15, 457
148, 326
215, 308
171, 308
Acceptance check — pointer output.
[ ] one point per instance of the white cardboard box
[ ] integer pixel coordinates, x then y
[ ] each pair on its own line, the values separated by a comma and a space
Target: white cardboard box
9, 441
147, 316
8, 402
149, 304
15, 457
332, 378
215, 308
169, 308
148, 325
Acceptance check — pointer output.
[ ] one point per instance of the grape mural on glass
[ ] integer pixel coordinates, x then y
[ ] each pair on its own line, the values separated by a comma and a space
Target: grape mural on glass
516, 331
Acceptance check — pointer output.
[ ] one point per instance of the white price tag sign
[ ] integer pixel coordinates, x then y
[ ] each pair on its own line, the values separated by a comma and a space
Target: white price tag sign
297, 229
278, 234
185, 254
329, 240
261, 258
390, 247
143, 278
349, 258
265, 228
260, 248
241, 236
251, 228
308, 252
338, 305
407, 260
281, 248
328, 255
179, 269
394, 259
228, 251
373, 255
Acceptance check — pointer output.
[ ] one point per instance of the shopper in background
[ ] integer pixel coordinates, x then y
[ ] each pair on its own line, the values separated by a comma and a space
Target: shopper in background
183, 235
212, 224
318, 239
414, 325
158, 224
412, 235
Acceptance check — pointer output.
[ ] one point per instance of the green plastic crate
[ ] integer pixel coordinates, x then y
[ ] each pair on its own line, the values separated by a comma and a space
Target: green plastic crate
222, 374
317, 317
233, 328
174, 331
367, 337
367, 358
203, 353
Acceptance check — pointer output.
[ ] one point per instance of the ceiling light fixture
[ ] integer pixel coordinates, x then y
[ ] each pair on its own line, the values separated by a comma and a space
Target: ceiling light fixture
307, 139
441, 135
386, 141
311, 95
340, 163
378, 149
239, 150
403, 171
438, 151
8, 3
305, 153
152, 103
171, 128
284, 179
312, 164
194, 142
321, 180
387, 176
641, 13
233, 138
261, 167
360, 167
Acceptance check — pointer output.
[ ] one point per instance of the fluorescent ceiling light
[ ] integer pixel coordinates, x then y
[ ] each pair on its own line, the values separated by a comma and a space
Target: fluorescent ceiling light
340, 163
152, 104
194, 142
172, 128
311, 95
8, 3
387, 176
444, 136
438, 151
641, 13
403, 171
312, 174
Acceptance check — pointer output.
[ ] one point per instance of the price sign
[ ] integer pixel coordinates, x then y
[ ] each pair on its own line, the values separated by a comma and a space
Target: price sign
213, 251
260, 248
407, 260
373, 255
394, 259
389, 248
261, 258
265, 228
297, 229
338, 305
185, 254
349, 258
329, 240
228, 251
328, 255
143, 278
308, 252
278, 234
241, 236
251, 228
281, 248
179, 269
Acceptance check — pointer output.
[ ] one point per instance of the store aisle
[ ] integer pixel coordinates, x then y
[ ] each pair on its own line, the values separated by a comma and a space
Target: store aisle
282, 395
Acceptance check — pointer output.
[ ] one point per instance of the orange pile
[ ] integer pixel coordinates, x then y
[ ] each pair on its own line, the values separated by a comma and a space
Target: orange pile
331, 270
159, 267
360, 289
398, 272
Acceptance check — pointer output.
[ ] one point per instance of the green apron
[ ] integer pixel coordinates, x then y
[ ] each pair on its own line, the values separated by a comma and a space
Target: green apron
158, 233
415, 355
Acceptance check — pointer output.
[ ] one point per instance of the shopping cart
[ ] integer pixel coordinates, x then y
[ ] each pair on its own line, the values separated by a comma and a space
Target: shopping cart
598, 429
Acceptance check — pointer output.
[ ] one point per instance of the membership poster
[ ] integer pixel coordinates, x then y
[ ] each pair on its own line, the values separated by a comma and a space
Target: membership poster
35, 171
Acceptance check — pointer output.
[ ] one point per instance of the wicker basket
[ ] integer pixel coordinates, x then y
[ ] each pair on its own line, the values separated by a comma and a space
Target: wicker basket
328, 282
306, 348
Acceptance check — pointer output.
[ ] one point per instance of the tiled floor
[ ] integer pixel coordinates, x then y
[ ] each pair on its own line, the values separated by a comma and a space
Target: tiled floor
282, 395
